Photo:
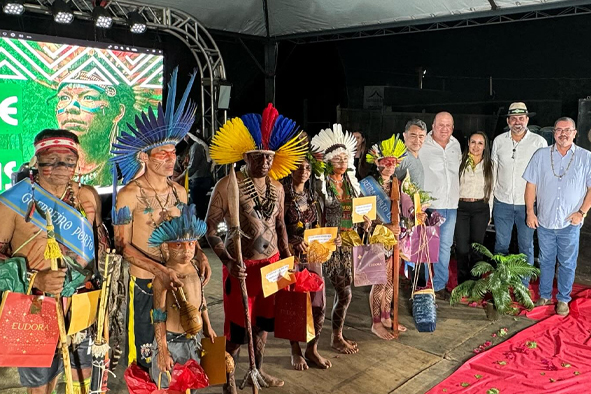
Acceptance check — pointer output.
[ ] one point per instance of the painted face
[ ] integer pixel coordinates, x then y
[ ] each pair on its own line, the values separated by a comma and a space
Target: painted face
476, 145
340, 163
414, 138
303, 172
518, 123
443, 127
564, 134
359, 139
386, 166
181, 252
57, 165
259, 163
78, 108
161, 160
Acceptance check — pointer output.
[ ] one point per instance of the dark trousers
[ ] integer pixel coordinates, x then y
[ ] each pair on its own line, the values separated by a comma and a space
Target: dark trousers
471, 223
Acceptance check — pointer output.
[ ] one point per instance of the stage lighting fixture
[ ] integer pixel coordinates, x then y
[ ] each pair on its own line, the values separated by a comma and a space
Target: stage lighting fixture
136, 22
101, 17
13, 7
62, 13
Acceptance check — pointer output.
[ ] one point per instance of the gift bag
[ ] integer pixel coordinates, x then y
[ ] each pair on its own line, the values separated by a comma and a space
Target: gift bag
424, 311
138, 381
369, 265
421, 244
293, 316
28, 330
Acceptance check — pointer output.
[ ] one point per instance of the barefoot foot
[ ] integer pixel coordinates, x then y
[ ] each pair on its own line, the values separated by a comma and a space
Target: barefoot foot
272, 381
298, 362
230, 387
313, 357
350, 342
387, 323
341, 345
381, 332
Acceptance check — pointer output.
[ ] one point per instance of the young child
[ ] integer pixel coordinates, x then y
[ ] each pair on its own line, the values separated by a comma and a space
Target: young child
172, 344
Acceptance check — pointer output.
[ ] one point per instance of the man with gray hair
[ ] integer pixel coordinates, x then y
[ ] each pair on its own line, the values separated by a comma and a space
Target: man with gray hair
559, 181
414, 135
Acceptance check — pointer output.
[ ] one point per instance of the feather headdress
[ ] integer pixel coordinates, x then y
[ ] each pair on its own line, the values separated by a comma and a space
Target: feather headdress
270, 132
331, 142
392, 147
184, 228
167, 127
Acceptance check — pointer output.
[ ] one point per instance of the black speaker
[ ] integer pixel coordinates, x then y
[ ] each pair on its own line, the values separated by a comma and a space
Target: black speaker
584, 123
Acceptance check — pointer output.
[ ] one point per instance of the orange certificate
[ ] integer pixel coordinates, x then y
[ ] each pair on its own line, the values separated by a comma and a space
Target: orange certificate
277, 276
364, 206
322, 235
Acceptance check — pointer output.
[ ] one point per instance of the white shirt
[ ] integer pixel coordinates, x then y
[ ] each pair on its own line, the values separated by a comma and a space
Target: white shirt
472, 182
508, 168
441, 167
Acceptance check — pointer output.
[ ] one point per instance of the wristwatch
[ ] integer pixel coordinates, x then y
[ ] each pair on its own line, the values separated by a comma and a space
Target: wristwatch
584, 214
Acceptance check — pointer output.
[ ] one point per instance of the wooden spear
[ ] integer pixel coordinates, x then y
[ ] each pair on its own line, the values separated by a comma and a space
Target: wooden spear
234, 228
395, 220
52, 253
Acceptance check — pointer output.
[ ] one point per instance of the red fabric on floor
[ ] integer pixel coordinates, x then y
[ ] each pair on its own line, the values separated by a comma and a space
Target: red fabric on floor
559, 364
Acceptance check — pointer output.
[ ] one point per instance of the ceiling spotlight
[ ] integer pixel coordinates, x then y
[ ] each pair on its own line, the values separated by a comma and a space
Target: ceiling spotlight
136, 22
62, 13
13, 7
101, 17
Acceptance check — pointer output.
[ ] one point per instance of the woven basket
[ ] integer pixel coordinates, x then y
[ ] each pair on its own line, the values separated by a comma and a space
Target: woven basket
424, 311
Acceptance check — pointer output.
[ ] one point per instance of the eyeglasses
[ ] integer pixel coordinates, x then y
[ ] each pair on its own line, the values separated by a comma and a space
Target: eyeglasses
339, 160
565, 131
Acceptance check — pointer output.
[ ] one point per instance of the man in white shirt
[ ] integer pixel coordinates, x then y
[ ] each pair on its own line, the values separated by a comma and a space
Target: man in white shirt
440, 156
511, 152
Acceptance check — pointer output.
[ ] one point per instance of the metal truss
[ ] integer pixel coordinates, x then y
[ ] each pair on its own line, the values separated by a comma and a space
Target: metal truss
408, 27
179, 24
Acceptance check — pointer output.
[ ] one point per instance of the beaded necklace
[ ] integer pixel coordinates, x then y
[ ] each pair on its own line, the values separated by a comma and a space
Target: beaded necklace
165, 215
552, 162
263, 206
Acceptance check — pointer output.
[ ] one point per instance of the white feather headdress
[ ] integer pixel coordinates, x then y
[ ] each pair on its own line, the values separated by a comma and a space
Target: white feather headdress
331, 143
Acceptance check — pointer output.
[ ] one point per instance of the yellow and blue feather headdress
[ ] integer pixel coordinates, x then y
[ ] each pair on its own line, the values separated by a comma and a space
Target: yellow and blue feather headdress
252, 132
184, 228
168, 128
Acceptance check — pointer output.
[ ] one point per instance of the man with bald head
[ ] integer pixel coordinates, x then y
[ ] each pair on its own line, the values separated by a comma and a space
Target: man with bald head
440, 156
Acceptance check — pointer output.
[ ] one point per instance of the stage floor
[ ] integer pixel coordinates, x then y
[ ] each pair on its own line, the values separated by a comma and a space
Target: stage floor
411, 365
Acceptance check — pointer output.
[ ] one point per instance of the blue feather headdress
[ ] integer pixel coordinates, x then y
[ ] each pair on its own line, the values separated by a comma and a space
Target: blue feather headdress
184, 228
168, 128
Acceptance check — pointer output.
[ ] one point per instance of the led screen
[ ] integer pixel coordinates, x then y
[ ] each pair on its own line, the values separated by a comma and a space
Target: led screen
91, 89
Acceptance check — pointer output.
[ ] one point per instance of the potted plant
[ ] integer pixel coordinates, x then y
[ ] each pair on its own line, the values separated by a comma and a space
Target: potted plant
498, 276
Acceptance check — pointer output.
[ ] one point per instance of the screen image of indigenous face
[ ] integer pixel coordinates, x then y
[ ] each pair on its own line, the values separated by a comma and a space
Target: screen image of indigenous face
93, 113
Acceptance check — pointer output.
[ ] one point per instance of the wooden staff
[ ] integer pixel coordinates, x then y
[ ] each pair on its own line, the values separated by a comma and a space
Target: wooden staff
52, 253
100, 348
395, 220
234, 228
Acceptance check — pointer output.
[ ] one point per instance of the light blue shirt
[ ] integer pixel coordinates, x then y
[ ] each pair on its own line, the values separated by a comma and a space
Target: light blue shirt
558, 198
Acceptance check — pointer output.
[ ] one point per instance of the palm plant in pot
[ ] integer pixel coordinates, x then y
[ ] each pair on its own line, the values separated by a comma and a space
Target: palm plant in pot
498, 276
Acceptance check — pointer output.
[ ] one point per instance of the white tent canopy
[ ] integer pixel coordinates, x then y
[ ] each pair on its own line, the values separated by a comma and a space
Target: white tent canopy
300, 17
